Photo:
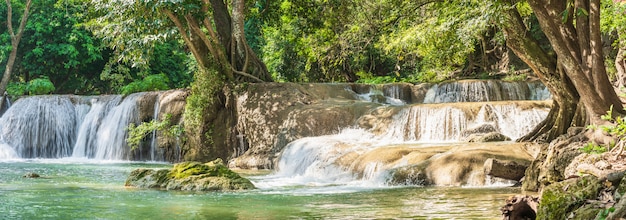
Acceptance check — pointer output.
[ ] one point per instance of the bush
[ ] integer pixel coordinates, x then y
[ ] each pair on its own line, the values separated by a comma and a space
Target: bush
17, 89
40, 86
150, 83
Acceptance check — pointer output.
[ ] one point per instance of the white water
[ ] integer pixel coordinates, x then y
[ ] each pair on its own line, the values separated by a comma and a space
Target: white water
485, 91
68, 126
42, 126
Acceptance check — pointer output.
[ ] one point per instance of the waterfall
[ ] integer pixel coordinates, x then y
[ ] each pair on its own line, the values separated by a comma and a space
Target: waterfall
69, 126
485, 91
395, 135
154, 141
445, 123
40, 127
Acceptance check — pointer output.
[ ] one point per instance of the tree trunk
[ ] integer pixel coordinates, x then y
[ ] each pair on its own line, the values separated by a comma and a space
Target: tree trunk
15, 42
620, 65
565, 98
594, 95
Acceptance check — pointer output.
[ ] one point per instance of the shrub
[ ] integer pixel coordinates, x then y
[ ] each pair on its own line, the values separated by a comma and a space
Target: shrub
150, 83
40, 86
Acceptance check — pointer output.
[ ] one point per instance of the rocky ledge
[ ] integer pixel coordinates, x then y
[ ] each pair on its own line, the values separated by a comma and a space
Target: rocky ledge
190, 176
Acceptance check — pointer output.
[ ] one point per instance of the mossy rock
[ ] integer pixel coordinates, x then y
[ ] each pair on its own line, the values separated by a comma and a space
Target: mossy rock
568, 198
192, 176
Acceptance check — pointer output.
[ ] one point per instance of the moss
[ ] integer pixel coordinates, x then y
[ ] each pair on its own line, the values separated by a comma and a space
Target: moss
211, 176
562, 198
186, 169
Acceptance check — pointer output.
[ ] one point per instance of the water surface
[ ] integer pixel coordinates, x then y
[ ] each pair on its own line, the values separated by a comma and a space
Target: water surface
75, 189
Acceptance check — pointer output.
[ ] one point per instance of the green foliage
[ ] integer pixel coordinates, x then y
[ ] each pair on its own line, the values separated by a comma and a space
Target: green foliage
40, 86
150, 83
515, 77
618, 128
136, 133
16, 89
603, 214
593, 148
204, 94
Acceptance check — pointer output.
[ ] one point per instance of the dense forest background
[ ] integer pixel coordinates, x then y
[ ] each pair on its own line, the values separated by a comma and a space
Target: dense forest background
72, 46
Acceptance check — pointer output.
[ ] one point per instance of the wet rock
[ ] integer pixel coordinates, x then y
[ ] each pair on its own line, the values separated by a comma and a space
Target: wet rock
190, 176
505, 169
488, 137
520, 207
481, 129
31, 175
454, 166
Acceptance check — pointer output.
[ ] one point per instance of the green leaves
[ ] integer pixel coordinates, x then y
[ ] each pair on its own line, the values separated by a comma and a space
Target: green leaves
150, 83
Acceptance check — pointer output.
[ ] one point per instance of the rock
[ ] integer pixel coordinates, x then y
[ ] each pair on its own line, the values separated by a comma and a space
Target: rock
572, 198
505, 169
31, 175
520, 207
481, 129
191, 176
489, 137
452, 166
550, 165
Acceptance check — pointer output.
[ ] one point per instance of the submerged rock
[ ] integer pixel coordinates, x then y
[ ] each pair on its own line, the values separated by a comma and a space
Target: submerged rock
191, 176
31, 175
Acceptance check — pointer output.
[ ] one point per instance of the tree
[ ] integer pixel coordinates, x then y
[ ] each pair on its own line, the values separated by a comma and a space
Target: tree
576, 74
212, 31
15, 42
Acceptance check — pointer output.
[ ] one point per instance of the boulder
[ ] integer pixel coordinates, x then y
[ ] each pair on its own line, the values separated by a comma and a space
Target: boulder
573, 198
190, 176
505, 169
488, 137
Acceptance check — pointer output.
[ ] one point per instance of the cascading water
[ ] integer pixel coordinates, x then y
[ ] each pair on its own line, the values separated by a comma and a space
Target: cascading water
485, 91
365, 156
40, 127
105, 129
69, 126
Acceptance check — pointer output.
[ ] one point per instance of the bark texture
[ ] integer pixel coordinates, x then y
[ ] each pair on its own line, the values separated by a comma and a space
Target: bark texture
15, 42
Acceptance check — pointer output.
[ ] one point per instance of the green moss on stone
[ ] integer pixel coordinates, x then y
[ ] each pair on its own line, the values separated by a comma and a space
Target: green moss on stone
560, 199
211, 176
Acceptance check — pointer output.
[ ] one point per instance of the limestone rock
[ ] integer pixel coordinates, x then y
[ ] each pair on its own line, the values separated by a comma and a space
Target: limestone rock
505, 169
454, 166
191, 176
488, 137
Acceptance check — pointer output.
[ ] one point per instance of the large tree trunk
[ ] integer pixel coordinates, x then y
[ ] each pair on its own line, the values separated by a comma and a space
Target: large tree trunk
15, 42
591, 81
565, 97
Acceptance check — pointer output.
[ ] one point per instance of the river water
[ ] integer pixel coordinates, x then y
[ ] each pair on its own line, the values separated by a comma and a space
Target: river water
89, 189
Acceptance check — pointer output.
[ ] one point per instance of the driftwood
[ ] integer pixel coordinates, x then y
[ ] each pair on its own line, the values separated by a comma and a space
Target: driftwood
504, 169
520, 207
